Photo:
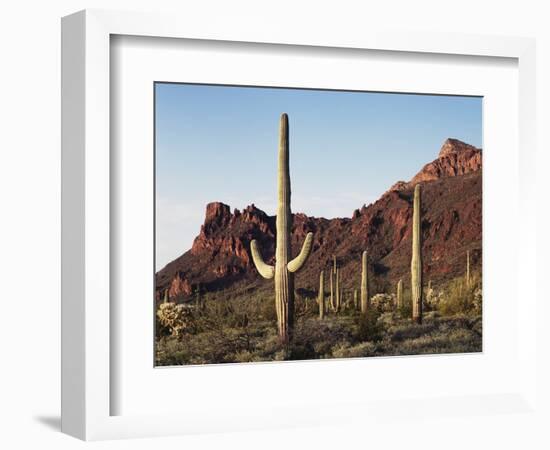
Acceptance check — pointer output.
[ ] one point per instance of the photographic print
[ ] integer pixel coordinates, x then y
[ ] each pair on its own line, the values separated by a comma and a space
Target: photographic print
301, 224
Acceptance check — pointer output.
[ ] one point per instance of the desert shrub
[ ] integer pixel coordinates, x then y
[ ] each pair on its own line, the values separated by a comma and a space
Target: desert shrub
383, 302
345, 350
477, 303
460, 298
173, 319
386, 319
432, 298
367, 326
266, 308
304, 306
405, 311
410, 330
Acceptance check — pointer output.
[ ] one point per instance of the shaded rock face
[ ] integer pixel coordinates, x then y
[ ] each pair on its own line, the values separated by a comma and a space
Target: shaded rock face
451, 225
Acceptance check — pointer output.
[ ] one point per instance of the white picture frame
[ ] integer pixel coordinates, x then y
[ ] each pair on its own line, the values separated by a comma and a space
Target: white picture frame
87, 355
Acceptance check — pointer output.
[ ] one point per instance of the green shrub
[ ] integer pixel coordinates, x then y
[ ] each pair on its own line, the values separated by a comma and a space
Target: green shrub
461, 298
367, 326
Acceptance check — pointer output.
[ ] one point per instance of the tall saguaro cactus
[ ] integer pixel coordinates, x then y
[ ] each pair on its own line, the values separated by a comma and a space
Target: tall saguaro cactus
416, 260
364, 284
322, 295
400, 294
284, 269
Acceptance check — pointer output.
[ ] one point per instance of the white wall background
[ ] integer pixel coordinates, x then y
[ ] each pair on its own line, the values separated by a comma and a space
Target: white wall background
30, 196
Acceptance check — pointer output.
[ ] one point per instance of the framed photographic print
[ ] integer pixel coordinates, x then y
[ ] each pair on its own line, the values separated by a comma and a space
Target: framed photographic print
402, 259
293, 210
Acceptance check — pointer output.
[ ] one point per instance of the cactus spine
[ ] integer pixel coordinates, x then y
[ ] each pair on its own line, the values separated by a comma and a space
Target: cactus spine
364, 284
284, 269
322, 295
416, 260
400, 294
468, 280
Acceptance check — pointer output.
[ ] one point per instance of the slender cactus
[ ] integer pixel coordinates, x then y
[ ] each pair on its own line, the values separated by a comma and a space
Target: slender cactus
400, 294
355, 300
332, 273
364, 284
338, 293
165, 300
284, 269
322, 295
416, 260
468, 279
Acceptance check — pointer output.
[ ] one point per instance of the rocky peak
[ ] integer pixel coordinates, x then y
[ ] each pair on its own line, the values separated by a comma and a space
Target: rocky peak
455, 146
217, 213
455, 158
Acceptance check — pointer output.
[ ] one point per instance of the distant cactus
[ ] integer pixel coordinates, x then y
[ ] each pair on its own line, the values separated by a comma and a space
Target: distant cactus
198, 297
284, 269
166, 299
321, 299
468, 279
332, 274
364, 284
332, 297
400, 294
338, 293
355, 300
416, 260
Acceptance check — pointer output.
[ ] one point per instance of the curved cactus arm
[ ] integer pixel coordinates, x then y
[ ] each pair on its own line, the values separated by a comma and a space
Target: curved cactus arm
264, 269
297, 263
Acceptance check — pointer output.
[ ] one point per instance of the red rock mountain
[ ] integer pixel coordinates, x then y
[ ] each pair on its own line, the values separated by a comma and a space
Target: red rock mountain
451, 225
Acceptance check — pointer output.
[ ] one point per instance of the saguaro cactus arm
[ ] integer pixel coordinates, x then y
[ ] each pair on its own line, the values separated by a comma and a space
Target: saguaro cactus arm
267, 271
297, 263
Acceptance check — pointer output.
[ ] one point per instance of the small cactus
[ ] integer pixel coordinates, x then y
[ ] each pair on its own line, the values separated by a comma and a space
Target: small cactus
332, 297
468, 279
364, 284
166, 299
416, 260
399, 294
284, 270
338, 293
321, 295
355, 300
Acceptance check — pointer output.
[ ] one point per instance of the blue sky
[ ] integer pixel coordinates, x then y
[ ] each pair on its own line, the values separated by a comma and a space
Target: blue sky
219, 143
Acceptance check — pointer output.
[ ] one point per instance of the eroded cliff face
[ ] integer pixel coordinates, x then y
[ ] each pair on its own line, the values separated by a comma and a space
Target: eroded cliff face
451, 224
